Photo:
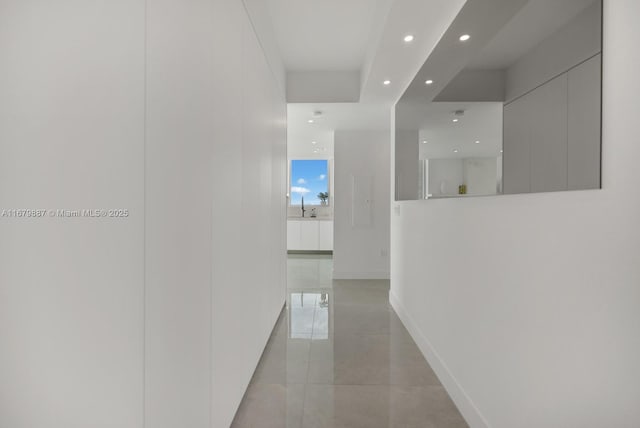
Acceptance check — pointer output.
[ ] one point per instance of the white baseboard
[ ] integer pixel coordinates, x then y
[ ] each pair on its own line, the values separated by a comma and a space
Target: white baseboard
466, 406
361, 275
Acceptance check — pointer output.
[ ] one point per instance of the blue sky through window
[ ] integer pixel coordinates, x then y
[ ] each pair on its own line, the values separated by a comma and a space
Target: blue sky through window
308, 178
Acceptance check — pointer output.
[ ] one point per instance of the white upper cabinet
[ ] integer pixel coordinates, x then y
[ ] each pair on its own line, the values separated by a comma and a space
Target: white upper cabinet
584, 125
552, 134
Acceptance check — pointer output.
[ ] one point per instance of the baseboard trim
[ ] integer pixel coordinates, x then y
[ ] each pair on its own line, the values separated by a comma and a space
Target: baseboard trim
361, 275
466, 406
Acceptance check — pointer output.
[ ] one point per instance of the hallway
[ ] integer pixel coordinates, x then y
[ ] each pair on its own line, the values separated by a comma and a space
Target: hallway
340, 357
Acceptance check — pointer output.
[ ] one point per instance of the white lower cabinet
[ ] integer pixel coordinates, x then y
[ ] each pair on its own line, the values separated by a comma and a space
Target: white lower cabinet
325, 235
293, 234
310, 235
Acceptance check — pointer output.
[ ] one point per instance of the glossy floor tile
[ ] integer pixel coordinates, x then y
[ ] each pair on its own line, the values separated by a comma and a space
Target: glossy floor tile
339, 356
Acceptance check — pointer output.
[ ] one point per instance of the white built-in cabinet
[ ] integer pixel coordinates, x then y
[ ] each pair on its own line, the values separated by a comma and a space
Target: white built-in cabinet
325, 235
584, 125
552, 134
310, 235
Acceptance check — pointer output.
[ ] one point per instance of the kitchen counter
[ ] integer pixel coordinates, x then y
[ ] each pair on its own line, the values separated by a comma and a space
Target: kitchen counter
310, 218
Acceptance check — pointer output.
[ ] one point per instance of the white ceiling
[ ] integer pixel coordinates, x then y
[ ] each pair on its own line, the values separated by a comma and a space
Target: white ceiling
323, 35
364, 36
335, 116
536, 21
397, 61
502, 31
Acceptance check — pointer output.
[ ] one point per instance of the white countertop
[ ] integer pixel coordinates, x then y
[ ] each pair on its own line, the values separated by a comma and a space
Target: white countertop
310, 218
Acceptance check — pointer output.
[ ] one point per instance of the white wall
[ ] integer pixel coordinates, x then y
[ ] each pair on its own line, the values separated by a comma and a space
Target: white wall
178, 200
361, 218
260, 18
174, 114
249, 210
479, 174
71, 137
445, 175
527, 305
407, 178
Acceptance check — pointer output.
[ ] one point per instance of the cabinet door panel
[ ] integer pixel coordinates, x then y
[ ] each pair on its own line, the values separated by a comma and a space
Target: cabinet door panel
517, 157
549, 136
309, 235
584, 125
326, 235
293, 235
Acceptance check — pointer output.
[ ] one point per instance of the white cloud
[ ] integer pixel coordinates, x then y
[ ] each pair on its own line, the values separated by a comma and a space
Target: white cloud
300, 190
322, 177
302, 181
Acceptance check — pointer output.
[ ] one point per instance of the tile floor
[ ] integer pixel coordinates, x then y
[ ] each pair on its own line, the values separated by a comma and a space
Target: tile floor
340, 357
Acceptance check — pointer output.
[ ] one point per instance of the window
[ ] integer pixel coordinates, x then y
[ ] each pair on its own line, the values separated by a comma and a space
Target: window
309, 179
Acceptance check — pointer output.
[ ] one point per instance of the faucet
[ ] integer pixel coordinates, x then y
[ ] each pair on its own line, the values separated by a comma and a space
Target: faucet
303, 210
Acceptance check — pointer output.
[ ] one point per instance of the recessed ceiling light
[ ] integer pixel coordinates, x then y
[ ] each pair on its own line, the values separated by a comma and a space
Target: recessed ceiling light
429, 82
501, 151
455, 120
477, 142
310, 121
424, 141
408, 38
455, 150
386, 82
313, 142
464, 37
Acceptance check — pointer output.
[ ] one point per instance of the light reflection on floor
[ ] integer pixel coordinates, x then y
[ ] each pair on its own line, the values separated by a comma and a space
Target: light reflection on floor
309, 315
